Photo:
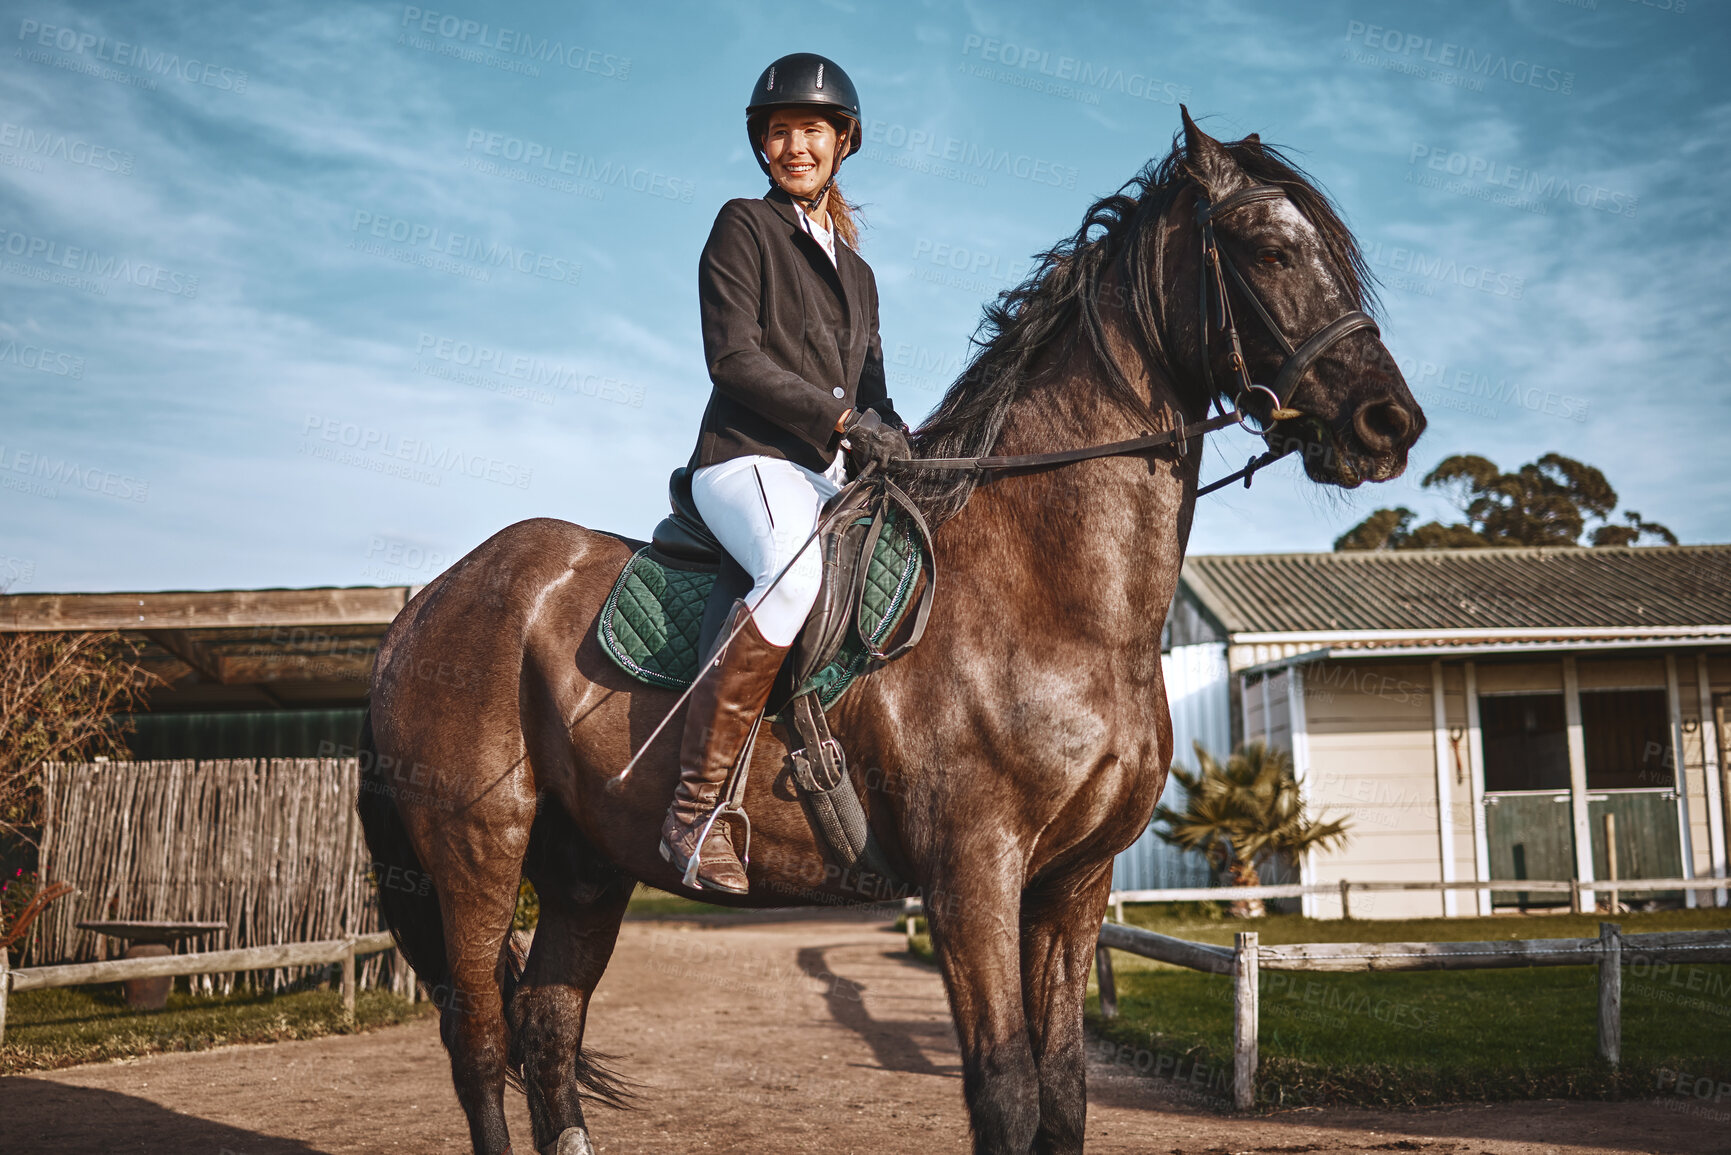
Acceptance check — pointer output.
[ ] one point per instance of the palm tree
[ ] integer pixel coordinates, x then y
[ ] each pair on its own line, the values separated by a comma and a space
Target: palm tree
1243, 812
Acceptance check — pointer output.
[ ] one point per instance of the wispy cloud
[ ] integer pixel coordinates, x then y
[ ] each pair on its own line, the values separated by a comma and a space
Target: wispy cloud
312, 246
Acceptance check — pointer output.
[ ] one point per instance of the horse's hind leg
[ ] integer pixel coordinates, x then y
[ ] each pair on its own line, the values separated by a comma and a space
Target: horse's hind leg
1060, 926
481, 863
582, 904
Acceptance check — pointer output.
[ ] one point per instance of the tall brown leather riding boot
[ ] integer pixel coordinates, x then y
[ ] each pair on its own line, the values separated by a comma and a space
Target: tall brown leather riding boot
725, 704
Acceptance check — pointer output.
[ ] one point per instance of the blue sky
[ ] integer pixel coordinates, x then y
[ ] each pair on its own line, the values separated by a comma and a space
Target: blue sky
299, 294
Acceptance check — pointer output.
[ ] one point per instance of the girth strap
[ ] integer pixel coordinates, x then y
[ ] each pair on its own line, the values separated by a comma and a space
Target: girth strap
826, 791
891, 492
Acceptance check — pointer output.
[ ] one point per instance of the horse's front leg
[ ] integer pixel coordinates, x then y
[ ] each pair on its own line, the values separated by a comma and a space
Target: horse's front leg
973, 913
1060, 926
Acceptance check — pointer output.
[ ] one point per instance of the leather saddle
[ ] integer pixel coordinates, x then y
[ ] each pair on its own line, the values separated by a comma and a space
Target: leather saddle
681, 535
682, 539
854, 522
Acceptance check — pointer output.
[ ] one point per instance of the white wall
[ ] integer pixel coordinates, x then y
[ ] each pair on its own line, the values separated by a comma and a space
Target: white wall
1373, 762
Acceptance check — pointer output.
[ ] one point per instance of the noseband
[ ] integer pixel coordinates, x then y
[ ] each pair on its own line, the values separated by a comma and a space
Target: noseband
1276, 399
1272, 402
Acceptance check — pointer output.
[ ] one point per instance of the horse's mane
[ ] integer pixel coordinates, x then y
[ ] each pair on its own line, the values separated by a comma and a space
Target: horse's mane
1060, 298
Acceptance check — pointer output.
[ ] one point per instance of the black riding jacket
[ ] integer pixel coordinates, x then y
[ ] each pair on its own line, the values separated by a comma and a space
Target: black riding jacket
791, 340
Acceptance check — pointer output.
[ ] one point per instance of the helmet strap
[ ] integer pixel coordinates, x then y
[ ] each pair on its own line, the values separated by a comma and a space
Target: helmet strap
810, 203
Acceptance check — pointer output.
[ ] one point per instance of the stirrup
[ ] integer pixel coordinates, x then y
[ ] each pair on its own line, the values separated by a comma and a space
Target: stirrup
695, 862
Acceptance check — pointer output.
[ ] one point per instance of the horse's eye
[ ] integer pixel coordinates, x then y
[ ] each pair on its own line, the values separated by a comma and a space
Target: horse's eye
1271, 256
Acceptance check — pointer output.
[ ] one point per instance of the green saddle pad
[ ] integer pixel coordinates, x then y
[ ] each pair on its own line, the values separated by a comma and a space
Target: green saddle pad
650, 623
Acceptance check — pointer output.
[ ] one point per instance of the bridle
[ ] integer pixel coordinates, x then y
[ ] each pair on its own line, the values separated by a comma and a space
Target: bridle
1255, 408
1298, 359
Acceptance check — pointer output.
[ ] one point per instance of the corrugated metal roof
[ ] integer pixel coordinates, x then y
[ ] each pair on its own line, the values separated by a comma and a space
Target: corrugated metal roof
1488, 589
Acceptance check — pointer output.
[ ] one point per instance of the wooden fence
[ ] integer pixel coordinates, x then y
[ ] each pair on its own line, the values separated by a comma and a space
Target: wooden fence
342, 951
1574, 888
1611, 951
272, 847
911, 908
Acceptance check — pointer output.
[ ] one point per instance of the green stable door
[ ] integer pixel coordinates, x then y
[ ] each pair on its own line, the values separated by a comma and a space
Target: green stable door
1530, 836
1630, 776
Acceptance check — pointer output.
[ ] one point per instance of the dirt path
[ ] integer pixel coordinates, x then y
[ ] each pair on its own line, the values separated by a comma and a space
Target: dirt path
834, 1043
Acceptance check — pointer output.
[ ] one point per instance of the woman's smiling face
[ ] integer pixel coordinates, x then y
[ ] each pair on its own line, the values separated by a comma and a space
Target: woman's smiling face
801, 146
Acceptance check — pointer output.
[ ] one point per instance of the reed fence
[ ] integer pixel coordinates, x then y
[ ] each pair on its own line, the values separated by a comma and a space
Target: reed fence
271, 847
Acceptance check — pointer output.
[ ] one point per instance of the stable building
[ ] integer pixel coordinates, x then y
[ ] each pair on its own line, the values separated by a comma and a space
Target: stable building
1490, 715
276, 673
1493, 714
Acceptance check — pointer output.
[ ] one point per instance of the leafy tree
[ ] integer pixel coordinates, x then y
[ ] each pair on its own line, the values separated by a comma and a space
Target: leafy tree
1546, 502
63, 697
1242, 813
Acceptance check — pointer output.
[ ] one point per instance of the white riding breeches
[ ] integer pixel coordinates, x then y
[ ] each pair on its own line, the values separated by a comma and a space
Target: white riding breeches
763, 510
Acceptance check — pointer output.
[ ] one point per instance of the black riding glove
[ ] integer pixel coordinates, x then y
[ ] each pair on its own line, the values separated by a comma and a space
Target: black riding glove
869, 439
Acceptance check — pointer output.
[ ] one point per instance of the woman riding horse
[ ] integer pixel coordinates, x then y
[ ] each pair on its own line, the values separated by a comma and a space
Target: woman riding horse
790, 334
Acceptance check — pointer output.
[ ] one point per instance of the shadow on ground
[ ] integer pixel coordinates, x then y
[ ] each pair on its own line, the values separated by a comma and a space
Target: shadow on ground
38, 1117
896, 1045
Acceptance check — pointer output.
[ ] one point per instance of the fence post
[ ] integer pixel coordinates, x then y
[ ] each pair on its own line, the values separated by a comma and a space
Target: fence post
1611, 855
5, 986
1108, 983
1574, 896
349, 978
1611, 992
1244, 1019
1345, 900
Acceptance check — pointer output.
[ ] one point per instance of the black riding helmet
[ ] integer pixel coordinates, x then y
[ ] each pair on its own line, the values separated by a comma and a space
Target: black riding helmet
804, 78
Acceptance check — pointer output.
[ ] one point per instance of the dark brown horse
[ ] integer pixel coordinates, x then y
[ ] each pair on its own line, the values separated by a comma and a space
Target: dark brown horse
1010, 756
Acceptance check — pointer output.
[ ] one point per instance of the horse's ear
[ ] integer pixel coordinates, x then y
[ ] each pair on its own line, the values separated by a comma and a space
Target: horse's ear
1208, 161
1254, 140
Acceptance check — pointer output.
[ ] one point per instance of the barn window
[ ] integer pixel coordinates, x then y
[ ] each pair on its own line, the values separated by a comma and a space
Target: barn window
1526, 742
1628, 739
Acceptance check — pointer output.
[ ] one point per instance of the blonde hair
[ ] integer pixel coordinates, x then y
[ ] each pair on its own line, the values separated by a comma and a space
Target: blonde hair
841, 217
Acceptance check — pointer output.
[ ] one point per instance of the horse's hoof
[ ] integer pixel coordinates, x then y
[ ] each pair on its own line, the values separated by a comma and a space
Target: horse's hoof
571, 1141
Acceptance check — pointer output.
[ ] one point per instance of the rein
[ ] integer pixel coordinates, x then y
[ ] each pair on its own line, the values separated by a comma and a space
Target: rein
1297, 362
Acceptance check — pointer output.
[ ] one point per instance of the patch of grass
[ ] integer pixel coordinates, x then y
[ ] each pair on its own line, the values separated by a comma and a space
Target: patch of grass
66, 1026
920, 946
1409, 1038
647, 902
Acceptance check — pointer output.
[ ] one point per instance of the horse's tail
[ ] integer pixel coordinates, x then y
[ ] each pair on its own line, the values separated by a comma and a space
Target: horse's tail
553, 835
409, 907
408, 904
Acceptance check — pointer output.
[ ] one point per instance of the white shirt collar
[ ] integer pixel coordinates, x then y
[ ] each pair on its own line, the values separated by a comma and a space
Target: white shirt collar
824, 237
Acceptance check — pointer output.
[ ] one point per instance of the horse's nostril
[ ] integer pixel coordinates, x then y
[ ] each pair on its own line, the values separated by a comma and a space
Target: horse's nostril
1382, 425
